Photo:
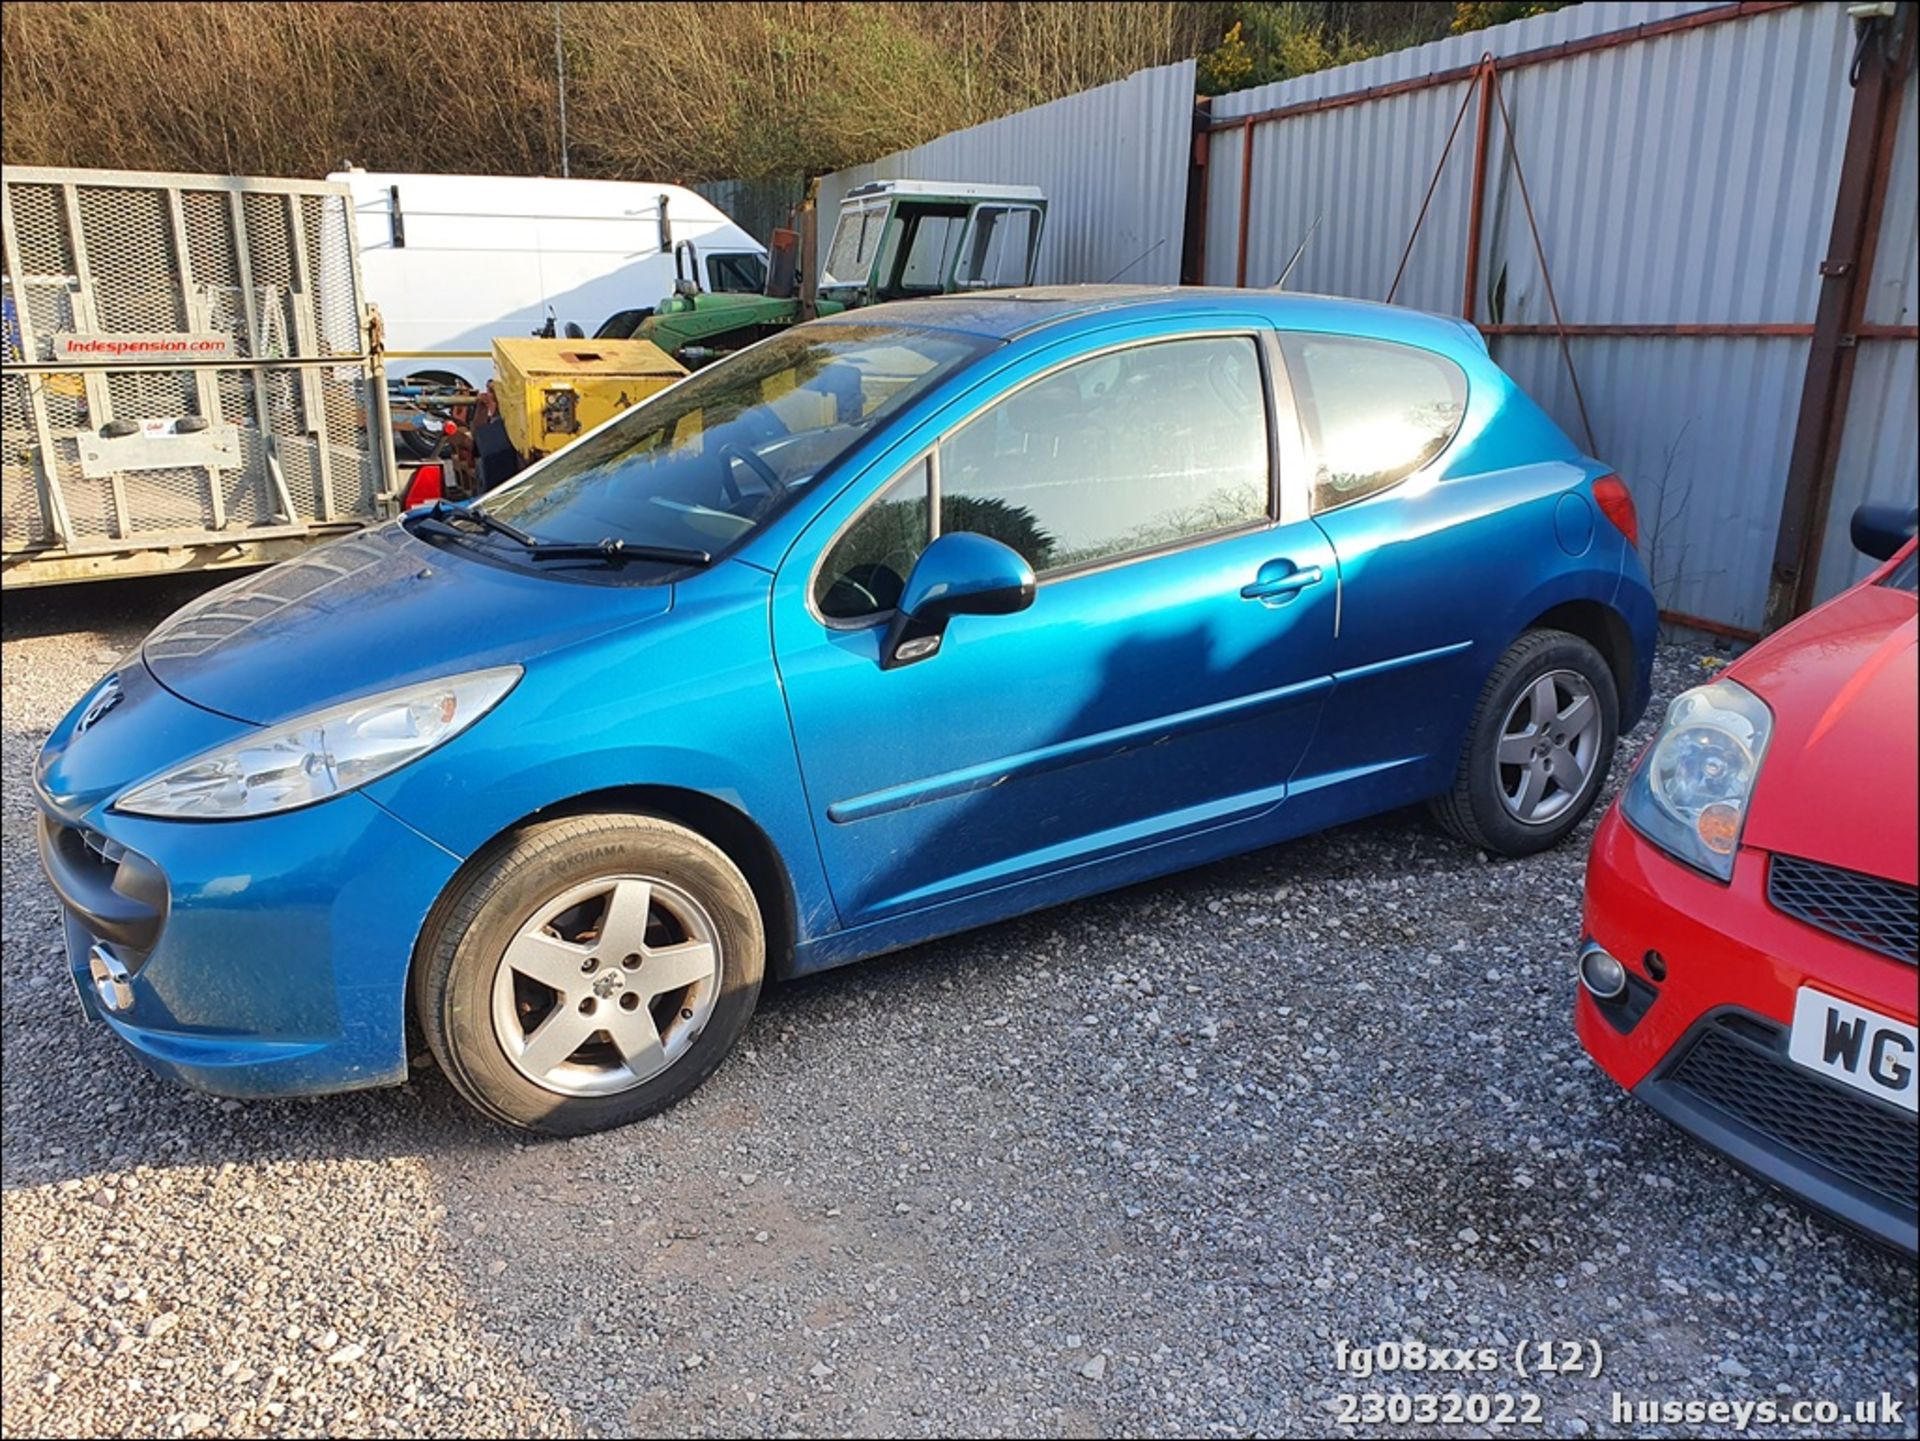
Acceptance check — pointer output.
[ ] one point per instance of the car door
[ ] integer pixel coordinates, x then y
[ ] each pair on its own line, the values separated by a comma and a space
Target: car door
1166, 678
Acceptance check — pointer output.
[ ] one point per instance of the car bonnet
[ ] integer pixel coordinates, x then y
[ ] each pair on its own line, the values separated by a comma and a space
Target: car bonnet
368, 613
1839, 781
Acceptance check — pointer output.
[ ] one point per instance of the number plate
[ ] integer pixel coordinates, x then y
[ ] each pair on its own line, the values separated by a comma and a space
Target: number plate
1863, 1049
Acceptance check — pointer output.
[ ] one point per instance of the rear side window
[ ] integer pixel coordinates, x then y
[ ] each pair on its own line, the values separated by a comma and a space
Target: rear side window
1373, 412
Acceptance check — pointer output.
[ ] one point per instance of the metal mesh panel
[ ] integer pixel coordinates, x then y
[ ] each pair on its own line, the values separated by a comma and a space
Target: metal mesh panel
1869, 1143
46, 265
209, 237
173, 500
131, 269
268, 241
89, 502
49, 309
1881, 915
65, 396
246, 491
40, 224
152, 394
23, 519
270, 266
165, 502
138, 283
330, 250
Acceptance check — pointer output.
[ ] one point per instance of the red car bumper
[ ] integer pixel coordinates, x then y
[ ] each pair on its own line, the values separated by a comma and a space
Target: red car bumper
1701, 1034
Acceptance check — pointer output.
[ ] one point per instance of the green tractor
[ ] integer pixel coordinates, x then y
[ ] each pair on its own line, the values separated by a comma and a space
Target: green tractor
895, 240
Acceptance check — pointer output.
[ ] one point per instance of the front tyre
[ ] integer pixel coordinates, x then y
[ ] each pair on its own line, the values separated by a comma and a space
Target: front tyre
589, 972
1537, 752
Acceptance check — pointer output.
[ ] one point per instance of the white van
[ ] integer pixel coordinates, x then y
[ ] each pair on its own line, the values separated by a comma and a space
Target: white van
454, 260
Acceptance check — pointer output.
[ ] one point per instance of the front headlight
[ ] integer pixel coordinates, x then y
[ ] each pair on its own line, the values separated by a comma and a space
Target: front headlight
323, 754
1691, 791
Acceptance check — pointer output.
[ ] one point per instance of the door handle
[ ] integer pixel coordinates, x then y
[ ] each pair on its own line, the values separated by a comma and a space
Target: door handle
1279, 589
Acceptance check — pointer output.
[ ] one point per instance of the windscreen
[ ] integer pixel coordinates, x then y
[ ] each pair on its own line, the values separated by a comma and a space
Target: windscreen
707, 462
856, 240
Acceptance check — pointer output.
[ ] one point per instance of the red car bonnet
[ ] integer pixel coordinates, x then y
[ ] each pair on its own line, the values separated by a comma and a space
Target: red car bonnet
1840, 778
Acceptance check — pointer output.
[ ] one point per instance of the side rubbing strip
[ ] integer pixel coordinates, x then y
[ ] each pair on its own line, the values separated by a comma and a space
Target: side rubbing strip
1069, 753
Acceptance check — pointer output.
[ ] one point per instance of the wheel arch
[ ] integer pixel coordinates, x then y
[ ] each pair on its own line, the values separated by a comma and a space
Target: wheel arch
1603, 628
713, 819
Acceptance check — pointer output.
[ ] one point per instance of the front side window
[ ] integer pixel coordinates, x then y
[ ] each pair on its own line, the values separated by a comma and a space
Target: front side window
931, 239
868, 566
1112, 456
704, 464
1372, 412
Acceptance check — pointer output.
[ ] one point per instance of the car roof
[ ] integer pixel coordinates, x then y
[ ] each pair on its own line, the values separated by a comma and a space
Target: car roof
1011, 314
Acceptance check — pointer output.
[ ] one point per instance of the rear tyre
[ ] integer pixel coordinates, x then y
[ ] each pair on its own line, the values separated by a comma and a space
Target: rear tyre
1537, 752
589, 972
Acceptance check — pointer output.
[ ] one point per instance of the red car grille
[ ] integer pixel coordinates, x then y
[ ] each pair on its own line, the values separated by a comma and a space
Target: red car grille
1883, 916
1868, 1143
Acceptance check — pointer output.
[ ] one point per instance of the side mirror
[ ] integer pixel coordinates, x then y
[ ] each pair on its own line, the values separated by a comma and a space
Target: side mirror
1880, 530
959, 574
574, 332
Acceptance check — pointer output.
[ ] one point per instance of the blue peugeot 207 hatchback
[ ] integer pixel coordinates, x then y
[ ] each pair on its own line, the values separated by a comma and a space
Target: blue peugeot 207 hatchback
894, 624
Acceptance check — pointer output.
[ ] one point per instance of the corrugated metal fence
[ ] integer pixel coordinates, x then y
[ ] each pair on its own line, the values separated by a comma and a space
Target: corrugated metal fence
1683, 160
1112, 161
1685, 177
758, 207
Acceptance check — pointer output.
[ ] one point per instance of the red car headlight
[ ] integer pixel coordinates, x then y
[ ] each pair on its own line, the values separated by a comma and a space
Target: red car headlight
1691, 792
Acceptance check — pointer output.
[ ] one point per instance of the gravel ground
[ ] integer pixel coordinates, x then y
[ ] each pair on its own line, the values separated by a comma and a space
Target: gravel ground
1129, 1166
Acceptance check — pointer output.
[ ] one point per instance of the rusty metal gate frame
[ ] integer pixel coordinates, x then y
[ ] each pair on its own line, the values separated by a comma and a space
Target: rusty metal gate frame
1840, 325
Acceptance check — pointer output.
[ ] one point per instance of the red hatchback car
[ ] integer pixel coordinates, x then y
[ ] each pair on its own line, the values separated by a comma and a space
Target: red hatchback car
1749, 967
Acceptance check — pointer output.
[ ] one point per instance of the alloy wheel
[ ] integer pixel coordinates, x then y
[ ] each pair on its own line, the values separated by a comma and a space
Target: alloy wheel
1549, 746
606, 985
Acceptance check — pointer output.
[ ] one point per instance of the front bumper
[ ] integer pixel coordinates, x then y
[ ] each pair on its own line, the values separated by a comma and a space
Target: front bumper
1702, 1036
263, 957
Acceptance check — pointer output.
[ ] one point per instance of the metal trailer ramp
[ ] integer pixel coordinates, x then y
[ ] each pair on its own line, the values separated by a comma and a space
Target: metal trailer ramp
192, 379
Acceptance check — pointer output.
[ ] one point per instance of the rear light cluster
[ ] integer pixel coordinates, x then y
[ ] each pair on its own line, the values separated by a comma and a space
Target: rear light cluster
427, 483
1610, 493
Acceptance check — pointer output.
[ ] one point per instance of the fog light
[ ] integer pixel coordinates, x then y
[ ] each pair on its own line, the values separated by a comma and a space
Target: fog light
112, 981
1603, 976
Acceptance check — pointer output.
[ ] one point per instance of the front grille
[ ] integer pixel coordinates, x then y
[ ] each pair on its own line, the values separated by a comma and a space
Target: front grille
1883, 916
1865, 1141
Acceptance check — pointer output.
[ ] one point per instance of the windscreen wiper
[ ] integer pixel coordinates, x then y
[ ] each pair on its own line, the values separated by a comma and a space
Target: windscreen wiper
446, 512
615, 551
611, 550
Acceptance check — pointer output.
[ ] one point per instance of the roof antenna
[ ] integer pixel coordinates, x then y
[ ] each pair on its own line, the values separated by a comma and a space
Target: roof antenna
1281, 283
1135, 261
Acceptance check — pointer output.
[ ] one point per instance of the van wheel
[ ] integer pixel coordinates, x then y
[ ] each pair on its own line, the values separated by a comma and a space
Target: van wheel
1538, 750
589, 972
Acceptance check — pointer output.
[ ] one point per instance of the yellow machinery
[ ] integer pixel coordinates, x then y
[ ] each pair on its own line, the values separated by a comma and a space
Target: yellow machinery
550, 391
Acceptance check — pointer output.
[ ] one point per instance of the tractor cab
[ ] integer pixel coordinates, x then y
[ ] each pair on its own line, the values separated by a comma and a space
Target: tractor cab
895, 239
899, 239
